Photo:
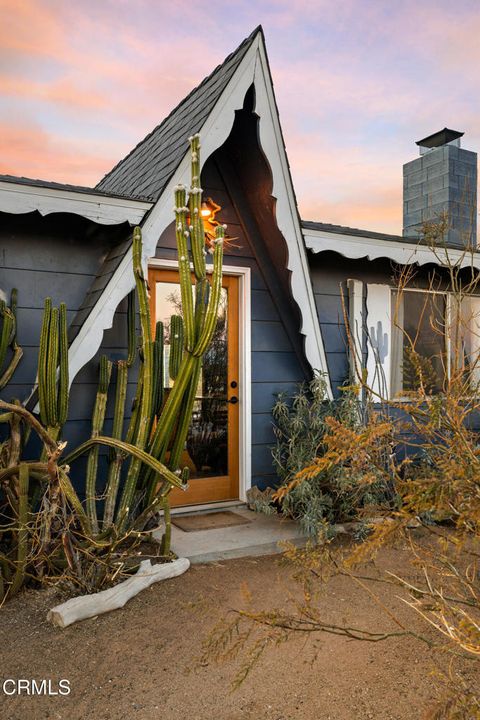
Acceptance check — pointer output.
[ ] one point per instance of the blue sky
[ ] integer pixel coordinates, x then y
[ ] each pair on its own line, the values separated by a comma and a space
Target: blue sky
357, 82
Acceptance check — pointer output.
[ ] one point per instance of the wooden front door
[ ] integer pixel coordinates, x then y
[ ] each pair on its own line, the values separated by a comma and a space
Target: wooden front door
212, 448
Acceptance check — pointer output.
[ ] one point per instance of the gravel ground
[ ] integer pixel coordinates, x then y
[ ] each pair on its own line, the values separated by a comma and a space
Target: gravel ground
141, 662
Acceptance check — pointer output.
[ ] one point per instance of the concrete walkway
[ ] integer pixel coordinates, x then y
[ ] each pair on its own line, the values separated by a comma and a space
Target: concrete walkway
261, 536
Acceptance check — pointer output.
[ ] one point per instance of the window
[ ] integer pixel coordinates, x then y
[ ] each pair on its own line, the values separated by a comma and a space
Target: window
434, 336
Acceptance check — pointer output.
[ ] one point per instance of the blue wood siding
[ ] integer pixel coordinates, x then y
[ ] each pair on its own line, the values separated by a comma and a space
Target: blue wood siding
55, 256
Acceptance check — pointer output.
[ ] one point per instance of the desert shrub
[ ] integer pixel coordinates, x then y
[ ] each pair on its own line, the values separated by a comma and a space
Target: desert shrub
337, 488
437, 489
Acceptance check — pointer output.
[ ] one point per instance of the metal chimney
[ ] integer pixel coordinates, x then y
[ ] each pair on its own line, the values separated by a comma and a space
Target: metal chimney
442, 182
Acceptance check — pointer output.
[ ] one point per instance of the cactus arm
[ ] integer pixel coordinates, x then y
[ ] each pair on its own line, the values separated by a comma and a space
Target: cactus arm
43, 361
214, 301
167, 535
22, 531
63, 384
7, 326
176, 345
52, 370
158, 368
117, 460
97, 426
197, 231
135, 452
8, 336
171, 408
146, 405
132, 338
72, 497
202, 294
32, 421
7, 375
184, 265
185, 417
13, 308
120, 397
133, 424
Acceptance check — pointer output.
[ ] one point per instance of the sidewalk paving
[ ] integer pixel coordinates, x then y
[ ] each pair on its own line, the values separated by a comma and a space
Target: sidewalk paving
261, 536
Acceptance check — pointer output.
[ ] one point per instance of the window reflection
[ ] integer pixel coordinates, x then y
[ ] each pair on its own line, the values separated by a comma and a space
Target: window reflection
206, 452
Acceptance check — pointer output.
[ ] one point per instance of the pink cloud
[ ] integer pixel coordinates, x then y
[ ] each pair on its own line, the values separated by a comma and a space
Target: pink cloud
90, 79
32, 152
62, 92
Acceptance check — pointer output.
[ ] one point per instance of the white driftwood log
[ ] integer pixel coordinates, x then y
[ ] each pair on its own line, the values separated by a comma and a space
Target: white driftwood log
87, 606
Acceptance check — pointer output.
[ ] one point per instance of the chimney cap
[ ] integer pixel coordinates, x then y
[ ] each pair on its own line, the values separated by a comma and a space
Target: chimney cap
442, 137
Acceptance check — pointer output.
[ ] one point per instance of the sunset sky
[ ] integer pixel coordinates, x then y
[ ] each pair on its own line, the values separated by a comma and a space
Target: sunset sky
357, 82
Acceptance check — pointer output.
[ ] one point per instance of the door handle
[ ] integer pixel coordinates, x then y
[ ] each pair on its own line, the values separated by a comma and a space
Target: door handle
233, 400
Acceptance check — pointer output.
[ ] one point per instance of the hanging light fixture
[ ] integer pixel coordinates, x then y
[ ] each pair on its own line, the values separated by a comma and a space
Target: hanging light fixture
209, 209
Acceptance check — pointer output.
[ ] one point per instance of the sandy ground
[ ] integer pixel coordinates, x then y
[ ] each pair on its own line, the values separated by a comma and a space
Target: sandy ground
141, 662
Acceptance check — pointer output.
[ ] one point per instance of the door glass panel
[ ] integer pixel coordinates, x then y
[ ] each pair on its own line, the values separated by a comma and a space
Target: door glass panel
206, 453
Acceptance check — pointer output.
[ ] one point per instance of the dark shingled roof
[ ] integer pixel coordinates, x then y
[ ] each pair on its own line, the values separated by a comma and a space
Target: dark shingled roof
146, 170
344, 230
64, 186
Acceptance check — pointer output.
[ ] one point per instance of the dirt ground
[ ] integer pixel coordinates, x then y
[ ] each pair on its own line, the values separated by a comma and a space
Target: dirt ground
141, 662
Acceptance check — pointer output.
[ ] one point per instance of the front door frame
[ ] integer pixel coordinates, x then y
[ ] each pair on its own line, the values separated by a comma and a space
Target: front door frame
245, 373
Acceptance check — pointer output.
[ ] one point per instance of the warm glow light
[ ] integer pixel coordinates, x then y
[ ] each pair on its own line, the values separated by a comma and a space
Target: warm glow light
205, 210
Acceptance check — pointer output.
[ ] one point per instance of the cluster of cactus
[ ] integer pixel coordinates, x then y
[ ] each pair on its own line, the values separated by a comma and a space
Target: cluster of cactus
157, 425
8, 339
40, 510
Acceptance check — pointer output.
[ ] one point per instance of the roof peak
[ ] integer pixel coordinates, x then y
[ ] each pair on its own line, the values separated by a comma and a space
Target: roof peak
240, 50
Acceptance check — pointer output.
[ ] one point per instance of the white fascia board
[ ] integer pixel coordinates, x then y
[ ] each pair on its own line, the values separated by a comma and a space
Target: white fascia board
252, 70
18, 198
355, 247
286, 215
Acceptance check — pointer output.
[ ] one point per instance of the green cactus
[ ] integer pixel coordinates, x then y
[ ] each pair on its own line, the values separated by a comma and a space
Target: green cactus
158, 368
53, 380
98, 419
145, 409
63, 377
7, 327
22, 529
176, 345
8, 337
117, 457
131, 330
158, 426
199, 326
